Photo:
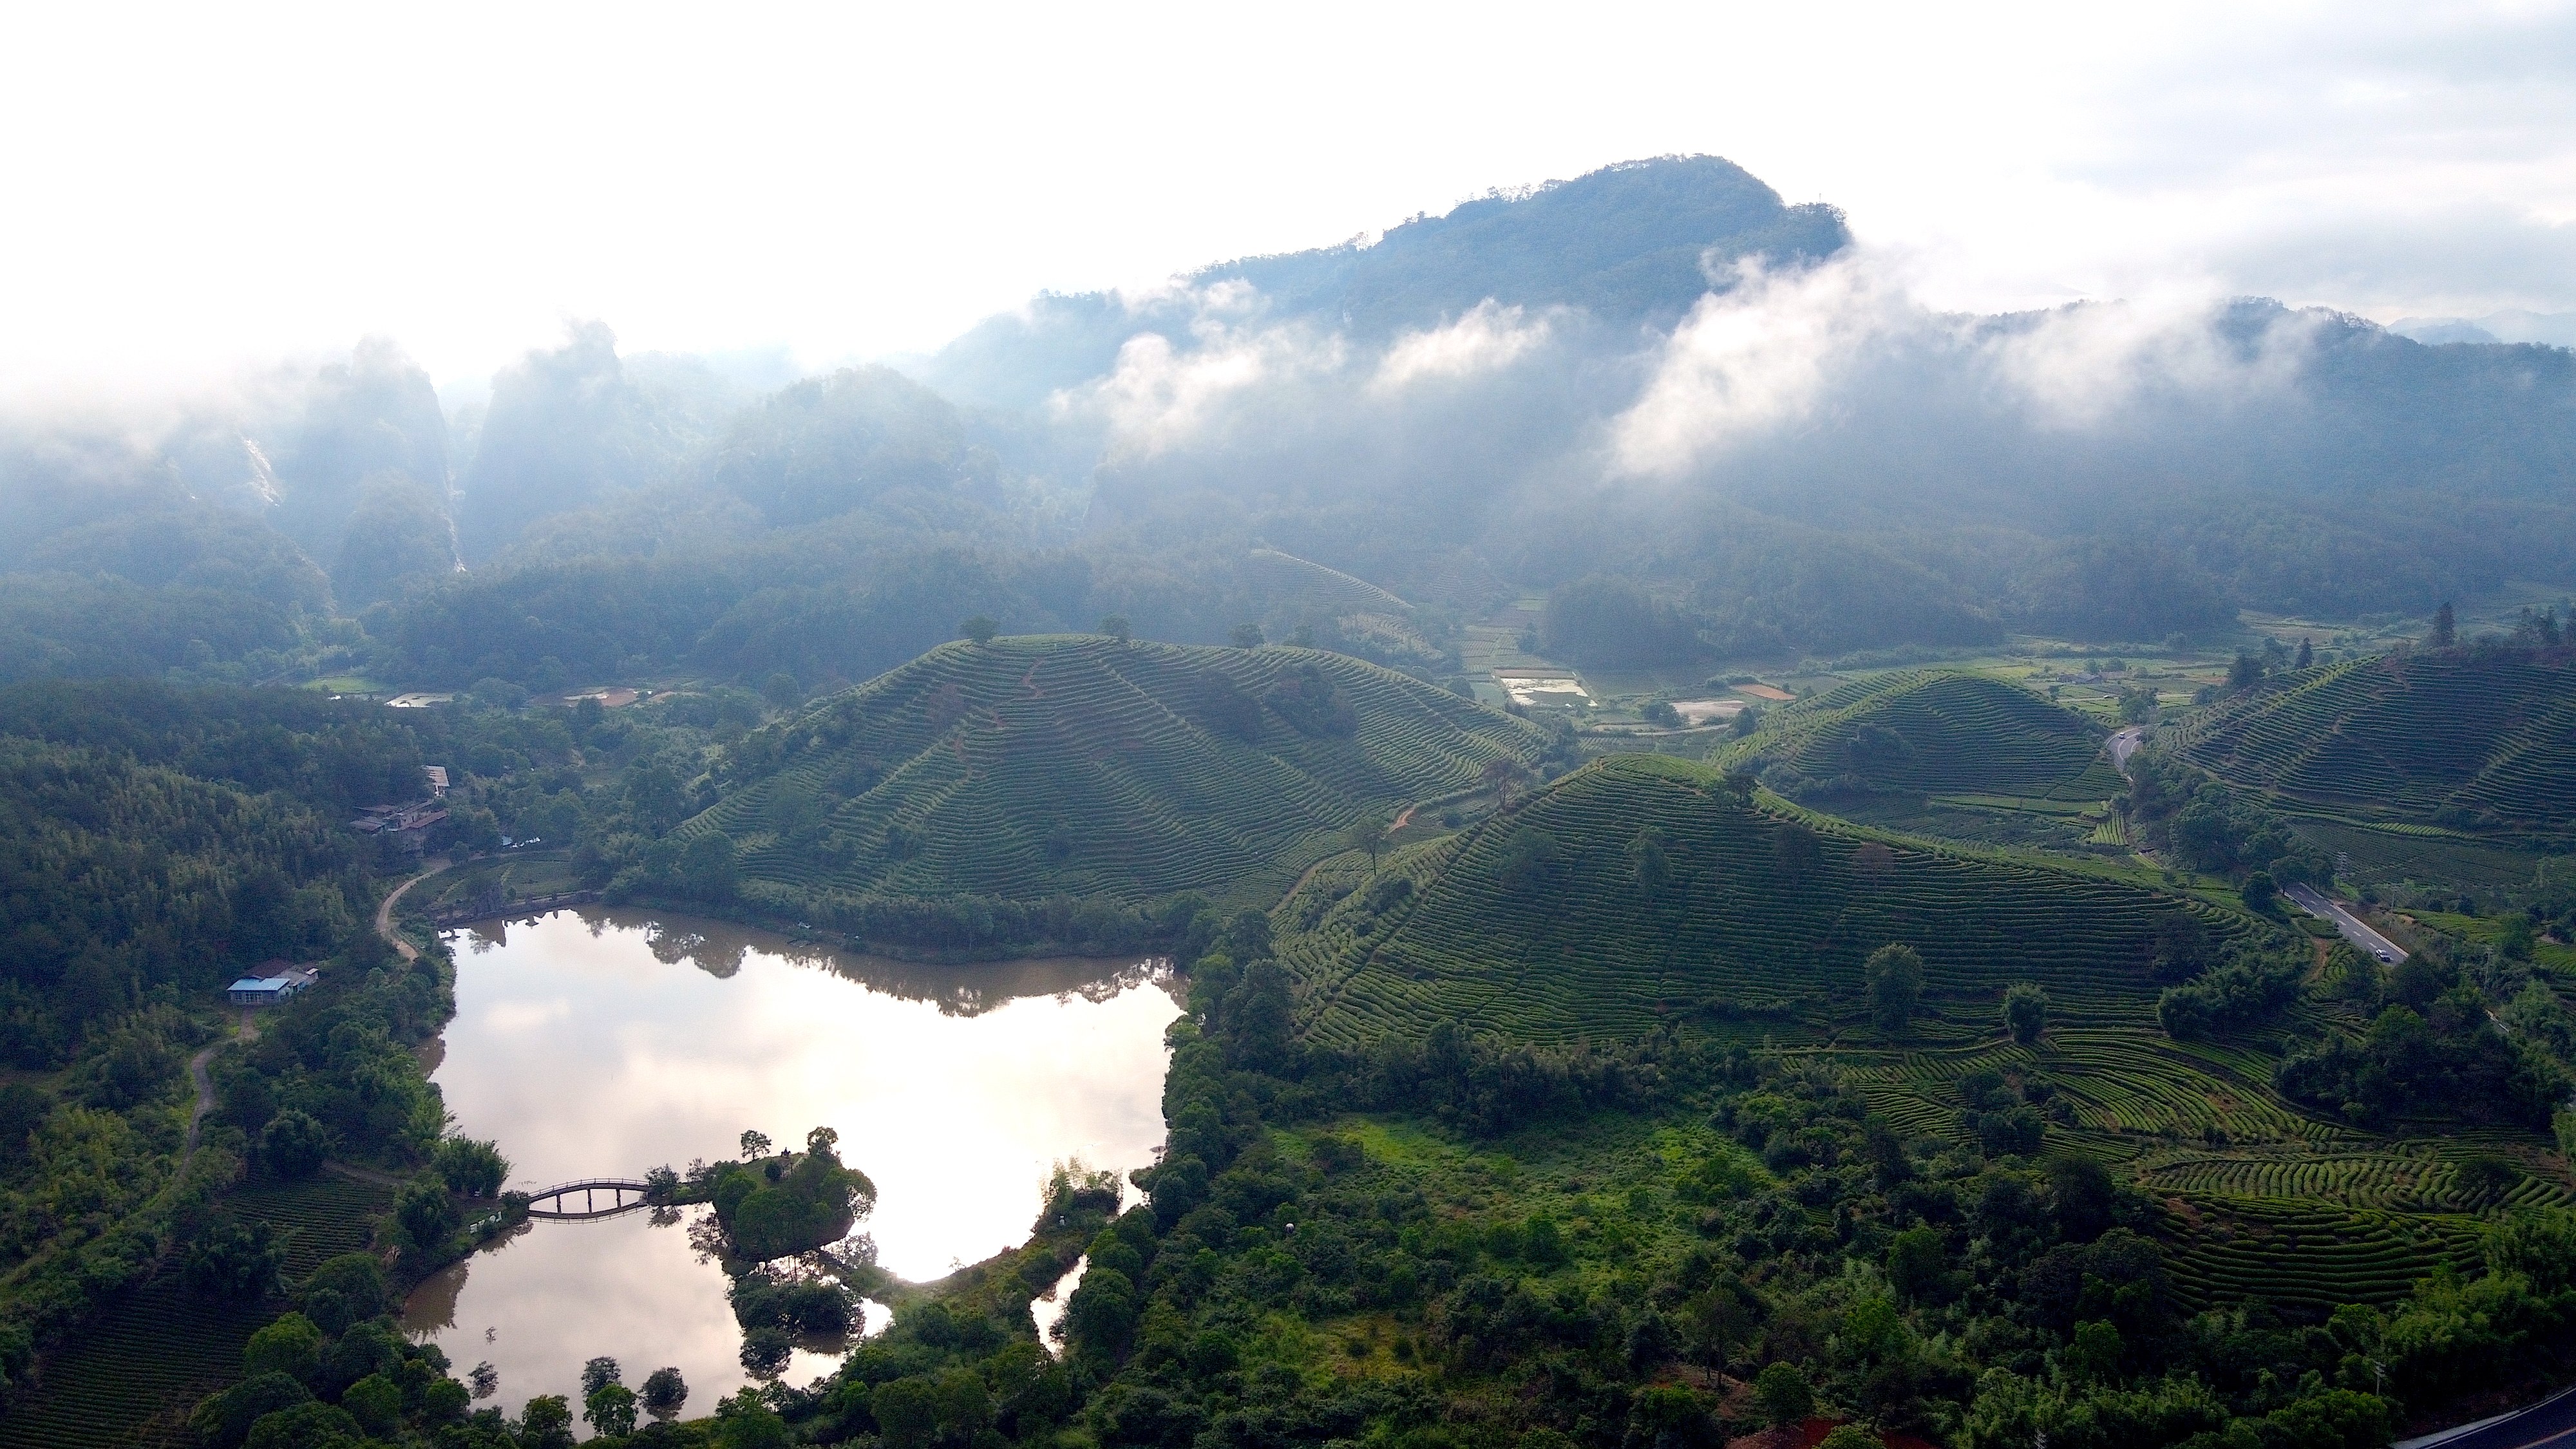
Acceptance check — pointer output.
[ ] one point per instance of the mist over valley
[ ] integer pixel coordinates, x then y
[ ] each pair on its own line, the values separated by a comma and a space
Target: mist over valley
1583, 820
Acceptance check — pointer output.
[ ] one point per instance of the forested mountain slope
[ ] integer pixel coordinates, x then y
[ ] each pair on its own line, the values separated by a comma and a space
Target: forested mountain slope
2470, 738
1081, 765
1925, 731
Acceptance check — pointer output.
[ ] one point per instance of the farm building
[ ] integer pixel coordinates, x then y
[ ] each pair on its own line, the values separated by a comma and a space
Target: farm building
272, 982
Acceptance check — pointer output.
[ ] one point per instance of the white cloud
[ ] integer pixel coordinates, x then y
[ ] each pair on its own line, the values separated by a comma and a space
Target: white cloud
1487, 338
1751, 359
2077, 365
205, 184
1160, 396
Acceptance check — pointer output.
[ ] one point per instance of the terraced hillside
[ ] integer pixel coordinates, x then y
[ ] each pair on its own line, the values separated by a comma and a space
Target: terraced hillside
2471, 739
1554, 925
1544, 925
132, 1375
1943, 732
1077, 765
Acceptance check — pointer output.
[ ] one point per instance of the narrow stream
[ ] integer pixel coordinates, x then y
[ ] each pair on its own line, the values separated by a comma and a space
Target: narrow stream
605, 1043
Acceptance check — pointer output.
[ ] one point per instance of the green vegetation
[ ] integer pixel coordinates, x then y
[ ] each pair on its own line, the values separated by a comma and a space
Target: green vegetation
1537, 925
1926, 732
792, 1203
162, 841
984, 777
2475, 739
1339, 1246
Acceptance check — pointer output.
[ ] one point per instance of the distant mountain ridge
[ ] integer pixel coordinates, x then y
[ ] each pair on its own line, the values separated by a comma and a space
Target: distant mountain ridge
1627, 243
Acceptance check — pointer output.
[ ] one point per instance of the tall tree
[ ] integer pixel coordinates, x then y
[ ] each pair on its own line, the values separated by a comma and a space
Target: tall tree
1894, 975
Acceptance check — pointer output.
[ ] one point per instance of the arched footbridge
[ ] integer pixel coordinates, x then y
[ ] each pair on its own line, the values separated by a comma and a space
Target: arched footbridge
592, 1197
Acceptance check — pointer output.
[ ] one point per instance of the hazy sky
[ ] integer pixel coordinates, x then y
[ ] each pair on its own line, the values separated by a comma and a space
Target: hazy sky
212, 184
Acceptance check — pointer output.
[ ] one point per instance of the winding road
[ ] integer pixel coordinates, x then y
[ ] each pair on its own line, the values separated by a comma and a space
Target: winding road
2123, 743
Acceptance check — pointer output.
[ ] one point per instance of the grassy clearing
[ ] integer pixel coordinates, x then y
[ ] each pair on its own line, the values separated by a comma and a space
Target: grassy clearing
515, 876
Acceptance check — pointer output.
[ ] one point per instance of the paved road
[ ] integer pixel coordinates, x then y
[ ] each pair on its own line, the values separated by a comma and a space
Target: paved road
2308, 900
2549, 1424
2124, 743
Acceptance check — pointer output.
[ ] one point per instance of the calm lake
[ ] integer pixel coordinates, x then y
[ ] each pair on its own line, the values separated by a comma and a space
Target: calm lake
604, 1043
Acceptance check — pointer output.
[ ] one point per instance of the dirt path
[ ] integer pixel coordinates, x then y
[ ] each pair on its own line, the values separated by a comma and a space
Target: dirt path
363, 1174
205, 1096
385, 914
1401, 820
246, 1031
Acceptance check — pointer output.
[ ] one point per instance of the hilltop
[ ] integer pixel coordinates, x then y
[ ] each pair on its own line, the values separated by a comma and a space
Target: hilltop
1079, 765
2468, 739
1640, 890
1626, 243
1935, 731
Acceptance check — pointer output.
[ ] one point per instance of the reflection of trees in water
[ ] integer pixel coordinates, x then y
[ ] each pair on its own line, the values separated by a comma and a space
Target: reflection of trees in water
672, 944
978, 987
431, 1308
957, 989
707, 1238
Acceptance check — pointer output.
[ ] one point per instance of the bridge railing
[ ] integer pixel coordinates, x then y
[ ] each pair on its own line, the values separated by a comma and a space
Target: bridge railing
619, 1191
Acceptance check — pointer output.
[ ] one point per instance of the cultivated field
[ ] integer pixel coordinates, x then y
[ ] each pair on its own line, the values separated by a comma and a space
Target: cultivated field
1033, 767
2483, 742
1747, 928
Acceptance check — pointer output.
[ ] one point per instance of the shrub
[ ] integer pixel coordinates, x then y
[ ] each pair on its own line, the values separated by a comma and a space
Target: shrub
291, 1346
610, 1408
306, 1426
1782, 1388
376, 1402
2025, 1012
426, 1215
664, 1393
476, 1169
